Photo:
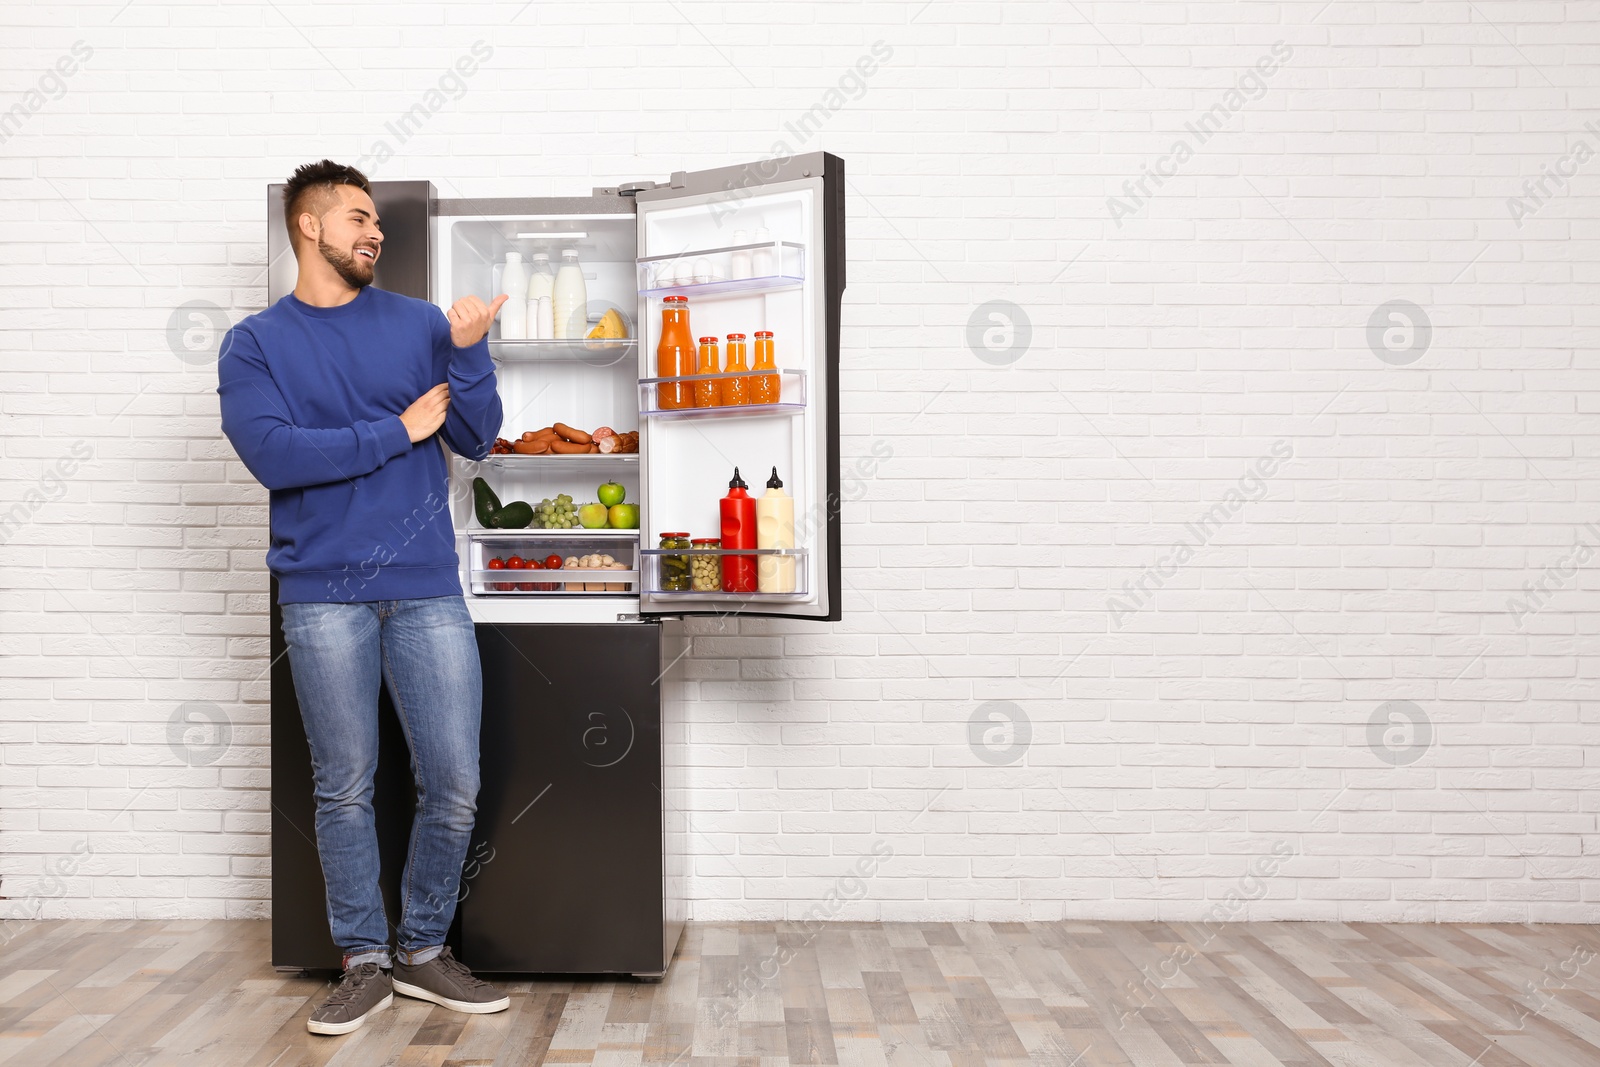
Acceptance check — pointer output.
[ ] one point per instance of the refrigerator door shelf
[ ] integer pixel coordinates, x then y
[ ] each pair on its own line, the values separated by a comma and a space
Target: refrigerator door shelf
791, 391
650, 561
596, 353
709, 271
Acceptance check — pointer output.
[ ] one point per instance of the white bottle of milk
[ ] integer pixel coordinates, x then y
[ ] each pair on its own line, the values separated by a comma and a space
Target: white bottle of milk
570, 297
514, 312
541, 282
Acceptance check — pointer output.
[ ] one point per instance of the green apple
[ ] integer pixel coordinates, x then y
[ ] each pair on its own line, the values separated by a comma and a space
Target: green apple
592, 516
611, 494
624, 516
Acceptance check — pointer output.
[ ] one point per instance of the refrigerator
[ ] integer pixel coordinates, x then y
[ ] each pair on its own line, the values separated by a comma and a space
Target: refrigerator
577, 862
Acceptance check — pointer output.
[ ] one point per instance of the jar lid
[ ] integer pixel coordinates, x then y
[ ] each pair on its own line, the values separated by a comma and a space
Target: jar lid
683, 534
763, 333
711, 541
708, 340
736, 337
674, 300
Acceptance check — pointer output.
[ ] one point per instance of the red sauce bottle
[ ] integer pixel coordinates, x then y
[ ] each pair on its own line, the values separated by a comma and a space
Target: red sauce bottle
738, 531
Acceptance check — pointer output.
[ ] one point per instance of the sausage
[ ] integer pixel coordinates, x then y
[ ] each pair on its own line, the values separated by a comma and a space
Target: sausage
575, 436
567, 448
531, 448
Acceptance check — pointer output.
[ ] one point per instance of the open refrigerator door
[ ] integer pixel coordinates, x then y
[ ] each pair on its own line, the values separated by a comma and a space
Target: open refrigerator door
530, 550
747, 264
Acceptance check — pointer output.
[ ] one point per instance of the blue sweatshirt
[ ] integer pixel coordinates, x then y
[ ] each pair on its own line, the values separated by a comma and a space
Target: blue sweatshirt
311, 400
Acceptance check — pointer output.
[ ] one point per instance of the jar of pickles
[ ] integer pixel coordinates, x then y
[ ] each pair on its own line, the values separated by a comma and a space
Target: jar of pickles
674, 568
705, 568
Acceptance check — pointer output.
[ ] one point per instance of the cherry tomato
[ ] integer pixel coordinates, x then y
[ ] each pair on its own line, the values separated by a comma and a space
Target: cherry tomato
552, 563
497, 564
516, 563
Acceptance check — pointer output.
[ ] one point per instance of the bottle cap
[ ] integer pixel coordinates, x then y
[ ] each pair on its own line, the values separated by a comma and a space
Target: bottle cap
541, 255
685, 533
773, 482
513, 257
565, 252
737, 482
736, 337
706, 542
763, 333
674, 300
708, 340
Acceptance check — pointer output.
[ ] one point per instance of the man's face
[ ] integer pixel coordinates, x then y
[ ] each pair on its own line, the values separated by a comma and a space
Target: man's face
348, 236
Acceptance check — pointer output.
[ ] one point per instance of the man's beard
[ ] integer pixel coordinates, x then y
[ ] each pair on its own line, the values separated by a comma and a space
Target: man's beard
356, 272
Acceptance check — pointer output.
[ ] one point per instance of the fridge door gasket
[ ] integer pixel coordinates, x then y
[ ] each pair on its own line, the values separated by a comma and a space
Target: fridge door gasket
823, 173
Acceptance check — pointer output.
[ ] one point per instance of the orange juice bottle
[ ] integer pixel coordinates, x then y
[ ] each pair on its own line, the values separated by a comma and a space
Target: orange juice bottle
764, 388
735, 391
675, 354
706, 394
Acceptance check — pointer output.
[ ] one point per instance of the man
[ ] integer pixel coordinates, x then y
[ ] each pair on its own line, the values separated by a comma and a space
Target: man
335, 397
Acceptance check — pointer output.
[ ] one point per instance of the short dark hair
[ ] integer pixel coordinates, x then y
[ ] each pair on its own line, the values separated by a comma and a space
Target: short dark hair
313, 180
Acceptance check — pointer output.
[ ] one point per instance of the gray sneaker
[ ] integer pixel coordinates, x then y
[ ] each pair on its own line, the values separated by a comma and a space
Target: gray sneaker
364, 990
445, 980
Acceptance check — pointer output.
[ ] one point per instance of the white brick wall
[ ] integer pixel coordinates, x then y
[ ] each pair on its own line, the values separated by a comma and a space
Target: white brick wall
1202, 747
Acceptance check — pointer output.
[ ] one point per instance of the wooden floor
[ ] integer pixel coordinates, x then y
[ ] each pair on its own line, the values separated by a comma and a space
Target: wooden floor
856, 994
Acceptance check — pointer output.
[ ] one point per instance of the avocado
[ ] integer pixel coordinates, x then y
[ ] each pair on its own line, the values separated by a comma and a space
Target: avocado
485, 504
516, 515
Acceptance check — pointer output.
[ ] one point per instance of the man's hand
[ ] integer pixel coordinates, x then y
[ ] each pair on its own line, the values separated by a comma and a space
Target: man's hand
470, 319
424, 417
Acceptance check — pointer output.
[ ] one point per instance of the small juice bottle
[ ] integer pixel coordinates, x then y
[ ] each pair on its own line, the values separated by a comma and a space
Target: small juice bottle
706, 394
764, 388
735, 391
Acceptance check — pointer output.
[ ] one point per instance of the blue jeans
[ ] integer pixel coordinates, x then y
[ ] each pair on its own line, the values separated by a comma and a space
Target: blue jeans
426, 652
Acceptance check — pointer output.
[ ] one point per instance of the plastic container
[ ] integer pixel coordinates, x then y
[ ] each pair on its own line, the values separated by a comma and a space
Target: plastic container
675, 355
705, 571
739, 262
570, 297
775, 529
706, 394
674, 569
738, 512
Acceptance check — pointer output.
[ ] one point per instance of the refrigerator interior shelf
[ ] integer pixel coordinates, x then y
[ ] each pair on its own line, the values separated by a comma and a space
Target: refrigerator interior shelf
515, 461
486, 583
728, 269
596, 353
576, 533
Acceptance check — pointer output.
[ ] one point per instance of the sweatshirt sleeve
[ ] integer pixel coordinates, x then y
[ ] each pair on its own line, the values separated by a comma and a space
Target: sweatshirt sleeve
280, 454
472, 421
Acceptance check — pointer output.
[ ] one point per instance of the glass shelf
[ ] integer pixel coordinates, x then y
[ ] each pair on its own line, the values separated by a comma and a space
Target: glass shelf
575, 533
729, 269
791, 388
596, 353
515, 461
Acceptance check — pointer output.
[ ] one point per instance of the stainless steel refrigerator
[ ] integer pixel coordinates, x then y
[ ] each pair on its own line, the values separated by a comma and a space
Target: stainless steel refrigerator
577, 862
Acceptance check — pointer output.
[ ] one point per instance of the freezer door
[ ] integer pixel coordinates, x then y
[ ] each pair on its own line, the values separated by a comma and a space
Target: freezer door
757, 247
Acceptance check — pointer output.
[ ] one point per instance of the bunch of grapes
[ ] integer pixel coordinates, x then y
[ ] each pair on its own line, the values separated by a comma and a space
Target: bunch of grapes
557, 514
